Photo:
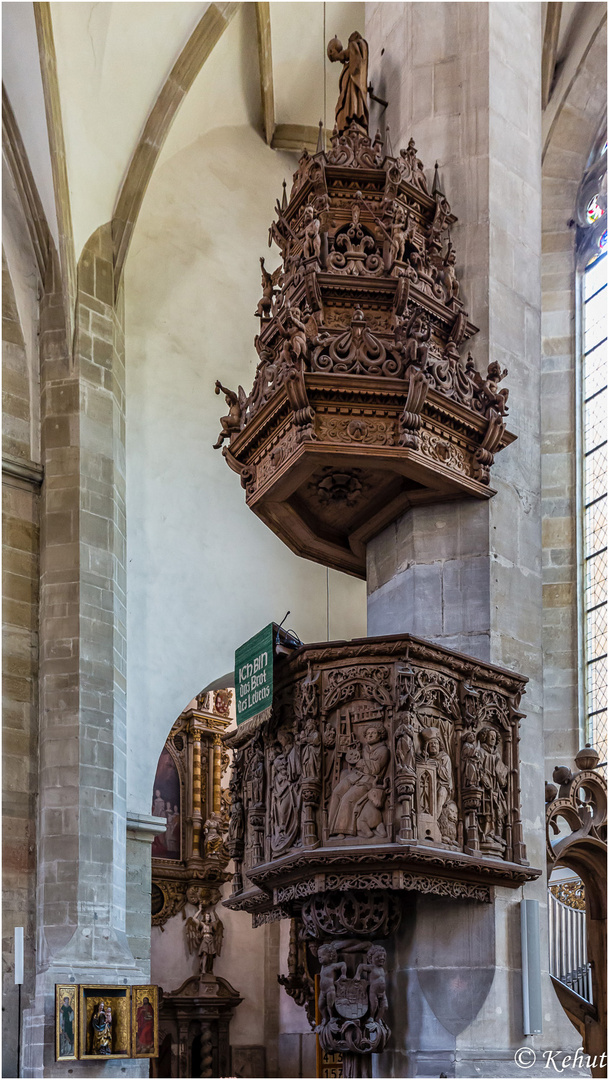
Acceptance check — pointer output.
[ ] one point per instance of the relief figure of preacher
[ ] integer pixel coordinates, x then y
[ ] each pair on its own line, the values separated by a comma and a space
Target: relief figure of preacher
365, 771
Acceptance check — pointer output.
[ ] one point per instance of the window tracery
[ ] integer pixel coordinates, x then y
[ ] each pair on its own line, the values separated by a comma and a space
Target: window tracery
592, 463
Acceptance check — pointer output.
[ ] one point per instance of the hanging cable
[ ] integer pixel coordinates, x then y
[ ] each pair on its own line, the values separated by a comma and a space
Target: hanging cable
325, 70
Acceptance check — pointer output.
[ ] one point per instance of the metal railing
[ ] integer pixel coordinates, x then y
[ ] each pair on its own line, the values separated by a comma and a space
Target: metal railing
568, 947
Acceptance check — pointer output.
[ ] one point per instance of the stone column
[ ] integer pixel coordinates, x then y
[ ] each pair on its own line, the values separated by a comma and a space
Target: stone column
141, 831
464, 81
82, 780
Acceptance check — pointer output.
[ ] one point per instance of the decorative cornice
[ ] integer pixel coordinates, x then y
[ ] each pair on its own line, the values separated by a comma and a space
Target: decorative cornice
144, 827
27, 472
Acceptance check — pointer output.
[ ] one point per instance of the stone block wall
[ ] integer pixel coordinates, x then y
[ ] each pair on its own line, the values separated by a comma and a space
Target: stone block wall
20, 554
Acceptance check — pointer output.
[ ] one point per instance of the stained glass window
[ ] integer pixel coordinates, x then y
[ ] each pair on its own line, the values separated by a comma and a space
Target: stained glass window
594, 210
594, 499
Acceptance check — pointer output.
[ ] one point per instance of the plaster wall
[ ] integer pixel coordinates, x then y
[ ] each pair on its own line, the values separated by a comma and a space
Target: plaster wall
204, 573
305, 82
111, 65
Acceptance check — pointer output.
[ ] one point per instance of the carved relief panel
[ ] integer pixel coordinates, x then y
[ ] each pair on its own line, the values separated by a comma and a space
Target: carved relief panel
407, 754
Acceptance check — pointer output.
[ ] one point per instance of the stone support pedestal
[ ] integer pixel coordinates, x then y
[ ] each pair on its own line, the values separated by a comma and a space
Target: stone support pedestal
468, 574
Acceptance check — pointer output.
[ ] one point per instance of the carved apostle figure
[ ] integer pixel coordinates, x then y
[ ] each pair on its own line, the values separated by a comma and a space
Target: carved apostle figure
310, 751
493, 780
256, 776
444, 773
236, 823
470, 760
285, 773
352, 104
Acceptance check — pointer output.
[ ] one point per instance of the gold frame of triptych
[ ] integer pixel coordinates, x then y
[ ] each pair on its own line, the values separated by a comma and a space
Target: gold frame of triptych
124, 1002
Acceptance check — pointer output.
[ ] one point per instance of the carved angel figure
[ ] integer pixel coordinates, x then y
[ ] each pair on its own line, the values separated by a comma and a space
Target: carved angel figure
418, 333
294, 332
269, 285
204, 933
377, 988
328, 958
497, 398
231, 423
399, 236
312, 240
446, 274
352, 104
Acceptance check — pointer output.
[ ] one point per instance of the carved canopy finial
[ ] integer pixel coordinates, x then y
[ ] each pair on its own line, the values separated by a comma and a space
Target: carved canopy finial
352, 104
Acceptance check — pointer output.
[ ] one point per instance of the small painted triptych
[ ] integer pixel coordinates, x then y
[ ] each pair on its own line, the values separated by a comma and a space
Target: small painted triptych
94, 1022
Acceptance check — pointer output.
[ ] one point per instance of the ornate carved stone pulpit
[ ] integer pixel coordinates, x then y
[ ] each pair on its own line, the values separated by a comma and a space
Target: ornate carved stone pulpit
363, 402
388, 765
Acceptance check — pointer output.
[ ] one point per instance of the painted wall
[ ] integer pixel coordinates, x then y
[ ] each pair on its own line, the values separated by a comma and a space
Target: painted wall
204, 573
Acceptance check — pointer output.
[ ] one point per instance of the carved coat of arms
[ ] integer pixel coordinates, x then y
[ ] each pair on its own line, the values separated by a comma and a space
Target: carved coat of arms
351, 998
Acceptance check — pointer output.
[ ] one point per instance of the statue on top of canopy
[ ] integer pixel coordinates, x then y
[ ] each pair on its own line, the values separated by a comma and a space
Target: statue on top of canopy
352, 104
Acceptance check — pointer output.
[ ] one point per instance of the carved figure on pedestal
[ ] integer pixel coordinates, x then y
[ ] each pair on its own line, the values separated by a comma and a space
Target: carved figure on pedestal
236, 823
204, 932
311, 248
310, 751
269, 283
413, 167
352, 104
433, 750
404, 746
212, 831
256, 776
285, 794
493, 780
231, 423
470, 761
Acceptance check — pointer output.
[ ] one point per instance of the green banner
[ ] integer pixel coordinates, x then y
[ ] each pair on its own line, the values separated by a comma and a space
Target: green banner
254, 674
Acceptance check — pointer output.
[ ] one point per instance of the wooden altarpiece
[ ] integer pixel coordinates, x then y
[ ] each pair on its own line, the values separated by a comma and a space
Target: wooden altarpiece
189, 866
